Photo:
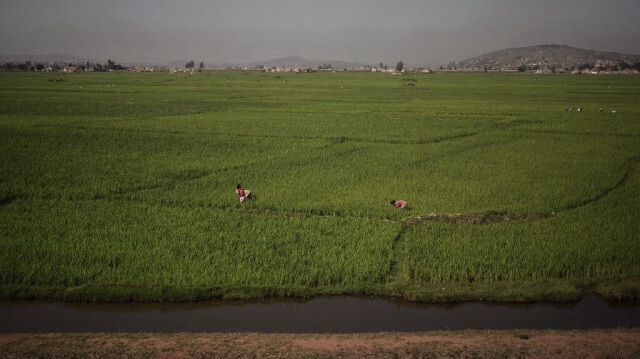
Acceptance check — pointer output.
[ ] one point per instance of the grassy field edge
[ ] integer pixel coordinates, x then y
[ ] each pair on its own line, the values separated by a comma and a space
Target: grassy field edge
618, 289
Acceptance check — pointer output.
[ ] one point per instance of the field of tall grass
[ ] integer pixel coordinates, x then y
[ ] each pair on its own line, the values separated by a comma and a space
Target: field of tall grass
120, 186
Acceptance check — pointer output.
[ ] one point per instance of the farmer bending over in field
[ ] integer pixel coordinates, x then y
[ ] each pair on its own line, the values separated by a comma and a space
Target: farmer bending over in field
399, 204
242, 193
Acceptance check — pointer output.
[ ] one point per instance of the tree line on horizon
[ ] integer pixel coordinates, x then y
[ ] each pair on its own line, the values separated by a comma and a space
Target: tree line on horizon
111, 65
57, 66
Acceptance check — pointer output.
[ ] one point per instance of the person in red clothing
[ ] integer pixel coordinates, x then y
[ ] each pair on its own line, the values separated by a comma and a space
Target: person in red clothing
399, 204
242, 193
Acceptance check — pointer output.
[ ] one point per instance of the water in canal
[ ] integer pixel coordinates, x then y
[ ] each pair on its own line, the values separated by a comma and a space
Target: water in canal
317, 315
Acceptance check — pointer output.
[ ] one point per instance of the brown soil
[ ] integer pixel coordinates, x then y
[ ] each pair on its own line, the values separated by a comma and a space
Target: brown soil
615, 343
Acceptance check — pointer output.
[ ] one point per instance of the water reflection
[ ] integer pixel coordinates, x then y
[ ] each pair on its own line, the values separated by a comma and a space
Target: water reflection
318, 315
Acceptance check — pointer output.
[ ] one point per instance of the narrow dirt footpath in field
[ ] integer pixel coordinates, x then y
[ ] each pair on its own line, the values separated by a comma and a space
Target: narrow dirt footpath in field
618, 343
476, 218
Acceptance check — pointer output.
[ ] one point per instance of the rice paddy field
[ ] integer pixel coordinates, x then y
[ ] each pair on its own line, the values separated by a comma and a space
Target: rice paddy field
121, 186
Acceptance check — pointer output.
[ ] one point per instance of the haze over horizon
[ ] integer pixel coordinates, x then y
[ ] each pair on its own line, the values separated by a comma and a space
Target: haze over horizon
419, 33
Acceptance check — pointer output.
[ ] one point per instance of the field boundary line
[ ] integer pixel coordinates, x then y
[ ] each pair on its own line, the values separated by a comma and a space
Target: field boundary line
486, 217
332, 139
631, 169
113, 129
565, 132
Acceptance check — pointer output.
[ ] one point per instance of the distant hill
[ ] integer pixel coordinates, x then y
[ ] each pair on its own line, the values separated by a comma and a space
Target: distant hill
294, 61
545, 56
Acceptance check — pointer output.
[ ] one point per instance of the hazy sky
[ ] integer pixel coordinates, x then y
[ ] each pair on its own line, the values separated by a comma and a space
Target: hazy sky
418, 32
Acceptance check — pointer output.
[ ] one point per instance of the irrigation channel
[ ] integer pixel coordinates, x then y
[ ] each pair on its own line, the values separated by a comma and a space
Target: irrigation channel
317, 315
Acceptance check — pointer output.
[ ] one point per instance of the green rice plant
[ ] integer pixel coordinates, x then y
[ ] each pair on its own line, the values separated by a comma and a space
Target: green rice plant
103, 242
597, 240
122, 179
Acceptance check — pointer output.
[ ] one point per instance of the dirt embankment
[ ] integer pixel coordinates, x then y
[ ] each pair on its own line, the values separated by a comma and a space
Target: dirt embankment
617, 343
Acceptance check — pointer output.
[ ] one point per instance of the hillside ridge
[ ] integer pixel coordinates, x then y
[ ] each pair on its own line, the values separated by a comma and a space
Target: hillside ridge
561, 57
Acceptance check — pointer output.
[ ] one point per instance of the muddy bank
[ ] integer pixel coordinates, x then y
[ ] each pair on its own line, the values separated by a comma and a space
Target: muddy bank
614, 343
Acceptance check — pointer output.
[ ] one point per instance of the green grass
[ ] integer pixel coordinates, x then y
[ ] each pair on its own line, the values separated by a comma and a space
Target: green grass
118, 186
